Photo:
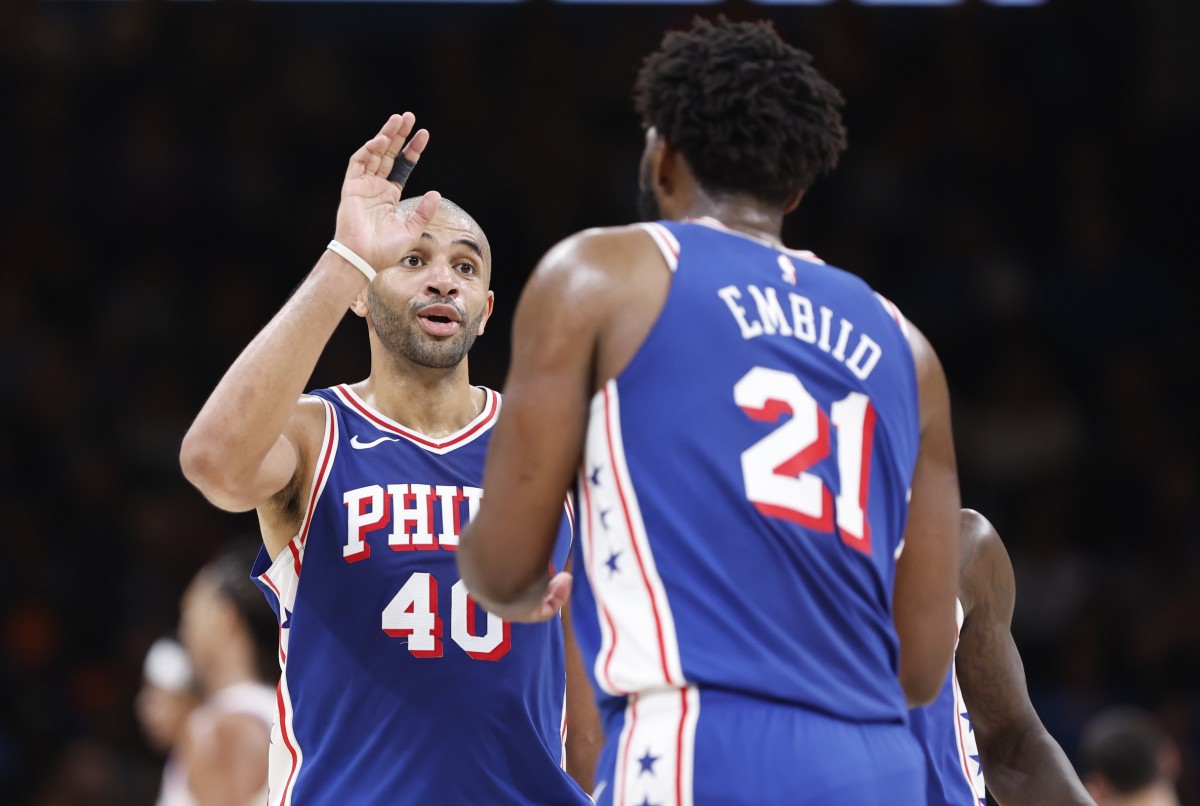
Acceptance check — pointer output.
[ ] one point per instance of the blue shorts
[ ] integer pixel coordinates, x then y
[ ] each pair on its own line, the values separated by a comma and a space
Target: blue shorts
685, 746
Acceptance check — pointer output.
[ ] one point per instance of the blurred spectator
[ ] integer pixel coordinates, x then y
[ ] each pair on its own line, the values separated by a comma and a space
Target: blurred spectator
165, 702
1128, 760
230, 636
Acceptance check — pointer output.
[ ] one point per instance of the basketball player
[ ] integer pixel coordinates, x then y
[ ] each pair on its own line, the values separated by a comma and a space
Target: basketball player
163, 704
230, 639
745, 424
1129, 760
396, 686
982, 725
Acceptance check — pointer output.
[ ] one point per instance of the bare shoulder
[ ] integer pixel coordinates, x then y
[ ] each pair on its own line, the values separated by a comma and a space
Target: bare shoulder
986, 576
597, 254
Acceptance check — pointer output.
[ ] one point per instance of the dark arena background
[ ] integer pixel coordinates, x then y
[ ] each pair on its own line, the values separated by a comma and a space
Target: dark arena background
1020, 180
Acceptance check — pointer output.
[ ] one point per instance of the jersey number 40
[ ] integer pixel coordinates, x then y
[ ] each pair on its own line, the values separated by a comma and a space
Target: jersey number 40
413, 614
775, 468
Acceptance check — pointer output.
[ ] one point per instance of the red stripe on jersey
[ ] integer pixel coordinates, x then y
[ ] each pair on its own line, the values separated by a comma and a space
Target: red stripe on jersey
279, 598
633, 701
489, 406
662, 649
283, 731
588, 544
962, 748
683, 694
322, 472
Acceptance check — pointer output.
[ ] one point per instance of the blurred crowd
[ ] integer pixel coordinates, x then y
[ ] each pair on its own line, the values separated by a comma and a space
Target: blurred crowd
1016, 182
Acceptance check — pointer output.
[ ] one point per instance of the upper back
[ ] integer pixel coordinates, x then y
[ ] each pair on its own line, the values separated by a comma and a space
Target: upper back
760, 442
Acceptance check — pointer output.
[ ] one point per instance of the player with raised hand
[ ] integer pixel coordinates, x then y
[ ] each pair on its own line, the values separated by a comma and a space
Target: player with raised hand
396, 687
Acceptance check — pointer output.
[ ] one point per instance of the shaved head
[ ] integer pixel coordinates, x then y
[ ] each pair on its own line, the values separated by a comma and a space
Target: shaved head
449, 213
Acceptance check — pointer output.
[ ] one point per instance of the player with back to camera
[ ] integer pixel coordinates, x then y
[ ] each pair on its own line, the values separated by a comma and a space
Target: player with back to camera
982, 725
744, 424
396, 686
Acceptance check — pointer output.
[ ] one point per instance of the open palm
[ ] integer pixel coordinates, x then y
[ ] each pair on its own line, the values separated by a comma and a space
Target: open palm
366, 219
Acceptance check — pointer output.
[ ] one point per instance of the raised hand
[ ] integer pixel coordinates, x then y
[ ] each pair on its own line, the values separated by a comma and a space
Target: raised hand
366, 219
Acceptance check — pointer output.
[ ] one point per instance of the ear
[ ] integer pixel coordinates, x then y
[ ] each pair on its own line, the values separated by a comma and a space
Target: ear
359, 306
664, 161
487, 312
793, 202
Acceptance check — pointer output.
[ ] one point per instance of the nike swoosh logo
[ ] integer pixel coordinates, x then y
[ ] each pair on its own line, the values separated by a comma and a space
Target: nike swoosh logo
354, 443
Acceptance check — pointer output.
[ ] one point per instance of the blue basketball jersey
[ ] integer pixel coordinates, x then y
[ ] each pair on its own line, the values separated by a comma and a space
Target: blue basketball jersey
743, 493
398, 687
951, 754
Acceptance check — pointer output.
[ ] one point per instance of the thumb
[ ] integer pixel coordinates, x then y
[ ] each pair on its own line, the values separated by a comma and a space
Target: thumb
423, 213
558, 590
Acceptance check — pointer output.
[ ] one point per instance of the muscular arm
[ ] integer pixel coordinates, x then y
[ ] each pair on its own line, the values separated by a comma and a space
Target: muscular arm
1022, 764
227, 766
537, 443
927, 571
251, 438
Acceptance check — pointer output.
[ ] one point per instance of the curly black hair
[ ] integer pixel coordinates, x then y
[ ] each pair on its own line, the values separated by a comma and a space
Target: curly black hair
748, 111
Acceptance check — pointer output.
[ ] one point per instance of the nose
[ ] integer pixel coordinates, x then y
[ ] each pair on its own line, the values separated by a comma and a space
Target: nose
442, 280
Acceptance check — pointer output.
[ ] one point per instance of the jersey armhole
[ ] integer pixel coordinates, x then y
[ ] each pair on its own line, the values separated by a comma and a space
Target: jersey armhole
665, 240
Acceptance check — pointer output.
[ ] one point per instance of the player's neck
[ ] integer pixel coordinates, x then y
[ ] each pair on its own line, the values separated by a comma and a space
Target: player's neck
739, 213
232, 668
433, 402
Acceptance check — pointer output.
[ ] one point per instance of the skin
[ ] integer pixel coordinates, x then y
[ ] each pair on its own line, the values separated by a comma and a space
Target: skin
583, 315
162, 714
1022, 763
225, 761
254, 443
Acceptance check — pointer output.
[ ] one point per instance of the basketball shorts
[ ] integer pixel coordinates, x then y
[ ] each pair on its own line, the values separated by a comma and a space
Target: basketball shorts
680, 747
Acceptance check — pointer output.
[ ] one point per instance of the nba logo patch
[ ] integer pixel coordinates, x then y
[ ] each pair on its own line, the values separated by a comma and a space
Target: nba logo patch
788, 268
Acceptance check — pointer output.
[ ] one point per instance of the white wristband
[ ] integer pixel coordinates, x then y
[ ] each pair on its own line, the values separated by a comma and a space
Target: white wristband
352, 258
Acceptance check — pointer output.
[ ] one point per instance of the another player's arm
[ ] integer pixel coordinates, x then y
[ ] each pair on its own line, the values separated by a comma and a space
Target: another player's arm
537, 443
1022, 763
927, 571
227, 765
585, 735
248, 442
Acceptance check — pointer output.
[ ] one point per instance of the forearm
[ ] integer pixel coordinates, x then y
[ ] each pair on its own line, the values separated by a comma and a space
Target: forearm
247, 412
1031, 769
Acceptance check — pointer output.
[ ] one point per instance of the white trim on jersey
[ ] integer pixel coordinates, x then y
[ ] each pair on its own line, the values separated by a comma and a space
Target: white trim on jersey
893, 312
712, 223
381, 422
665, 240
562, 733
640, 650
283, 578
964, 734
659, 737
321, 472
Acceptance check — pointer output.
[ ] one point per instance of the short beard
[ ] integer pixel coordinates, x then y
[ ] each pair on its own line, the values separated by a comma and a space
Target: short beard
401, 334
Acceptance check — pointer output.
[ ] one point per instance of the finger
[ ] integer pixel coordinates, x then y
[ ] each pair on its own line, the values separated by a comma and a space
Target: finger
396, 130
404, 163
361, 160
376, 148
557, 592
423, 213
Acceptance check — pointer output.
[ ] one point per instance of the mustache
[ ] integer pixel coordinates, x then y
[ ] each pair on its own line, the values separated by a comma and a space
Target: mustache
418, 304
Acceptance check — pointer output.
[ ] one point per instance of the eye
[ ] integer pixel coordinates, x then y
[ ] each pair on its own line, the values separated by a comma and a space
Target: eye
468, 268
411, 261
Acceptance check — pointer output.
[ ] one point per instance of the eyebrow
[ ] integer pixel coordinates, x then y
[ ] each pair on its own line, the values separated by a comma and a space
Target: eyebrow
467, 242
